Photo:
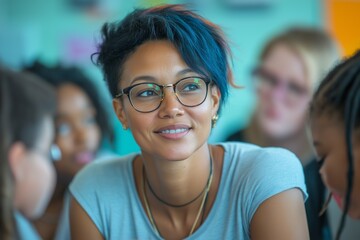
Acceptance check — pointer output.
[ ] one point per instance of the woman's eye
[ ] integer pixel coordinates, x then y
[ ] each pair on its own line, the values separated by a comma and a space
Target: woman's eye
63, 129
147, 93
268, 80
295, 89
191, 87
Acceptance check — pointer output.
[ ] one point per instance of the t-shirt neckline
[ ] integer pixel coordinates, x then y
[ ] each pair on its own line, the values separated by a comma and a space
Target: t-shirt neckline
212, 212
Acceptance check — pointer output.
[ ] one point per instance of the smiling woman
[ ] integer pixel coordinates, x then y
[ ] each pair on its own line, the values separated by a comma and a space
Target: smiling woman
168, 71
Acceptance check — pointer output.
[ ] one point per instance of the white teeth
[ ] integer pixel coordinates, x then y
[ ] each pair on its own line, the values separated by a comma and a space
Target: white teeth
174, 131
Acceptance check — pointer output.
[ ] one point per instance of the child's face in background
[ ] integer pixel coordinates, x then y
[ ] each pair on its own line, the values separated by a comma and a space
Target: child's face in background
34, 173
283, 93
329, 140
77, 131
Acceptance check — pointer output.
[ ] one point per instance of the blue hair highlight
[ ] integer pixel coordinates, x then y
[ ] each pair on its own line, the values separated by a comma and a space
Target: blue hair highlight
200, 43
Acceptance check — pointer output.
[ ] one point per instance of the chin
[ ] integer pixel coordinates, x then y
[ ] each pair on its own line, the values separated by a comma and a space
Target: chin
175, 154
354, 213
35, 212
354, 210
273, 131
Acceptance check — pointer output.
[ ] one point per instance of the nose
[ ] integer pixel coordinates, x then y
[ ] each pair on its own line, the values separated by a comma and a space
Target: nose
80, 136
278, 93
170, 106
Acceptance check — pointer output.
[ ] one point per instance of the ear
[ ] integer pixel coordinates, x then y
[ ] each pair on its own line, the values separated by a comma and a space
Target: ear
16, 158
119, 111
215, 99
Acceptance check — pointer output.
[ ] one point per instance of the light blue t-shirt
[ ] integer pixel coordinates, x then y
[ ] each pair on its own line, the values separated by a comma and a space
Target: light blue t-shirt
250, 175
63, 228
25, 230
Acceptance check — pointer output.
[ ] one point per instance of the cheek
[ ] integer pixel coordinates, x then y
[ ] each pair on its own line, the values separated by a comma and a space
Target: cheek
47, 186
295, 117
334, 172
93, 137
201, 115
263, 96
40, 186
65, 143
141, 125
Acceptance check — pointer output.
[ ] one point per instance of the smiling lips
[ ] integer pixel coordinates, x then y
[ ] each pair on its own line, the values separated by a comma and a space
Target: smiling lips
173, 131
338, 200
84, 158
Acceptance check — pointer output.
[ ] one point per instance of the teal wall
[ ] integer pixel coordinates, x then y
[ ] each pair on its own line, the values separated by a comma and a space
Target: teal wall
41, 27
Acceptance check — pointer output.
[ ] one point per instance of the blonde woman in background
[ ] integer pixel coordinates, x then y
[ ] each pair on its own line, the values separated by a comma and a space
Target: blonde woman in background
290, 67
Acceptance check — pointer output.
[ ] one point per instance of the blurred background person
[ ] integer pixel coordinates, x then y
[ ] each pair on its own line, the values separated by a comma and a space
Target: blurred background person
27, 177
335, 122
289, 69
81, 124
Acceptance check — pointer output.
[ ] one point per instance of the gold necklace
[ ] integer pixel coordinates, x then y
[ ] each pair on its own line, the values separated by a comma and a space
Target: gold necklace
208, 185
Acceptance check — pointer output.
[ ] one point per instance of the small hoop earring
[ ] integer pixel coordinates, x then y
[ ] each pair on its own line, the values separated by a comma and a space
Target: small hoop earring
214, 120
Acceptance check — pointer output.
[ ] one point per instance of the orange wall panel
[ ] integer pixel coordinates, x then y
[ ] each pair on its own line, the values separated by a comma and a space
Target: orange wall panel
343, 19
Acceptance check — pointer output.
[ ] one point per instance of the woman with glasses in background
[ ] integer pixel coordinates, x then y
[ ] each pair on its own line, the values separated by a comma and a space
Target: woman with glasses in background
290, 68
27, 176
168, 71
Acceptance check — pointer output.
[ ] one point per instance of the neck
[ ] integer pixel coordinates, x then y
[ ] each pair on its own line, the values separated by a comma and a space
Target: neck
178, 182
297, 143
46, 225
59, 191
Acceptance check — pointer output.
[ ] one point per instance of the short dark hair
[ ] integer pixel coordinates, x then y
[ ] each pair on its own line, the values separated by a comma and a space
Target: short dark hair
25, 100
60, 75
339, 94
200, 43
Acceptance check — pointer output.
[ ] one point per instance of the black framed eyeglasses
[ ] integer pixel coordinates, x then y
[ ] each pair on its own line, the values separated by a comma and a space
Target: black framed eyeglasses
266, 82
147, 97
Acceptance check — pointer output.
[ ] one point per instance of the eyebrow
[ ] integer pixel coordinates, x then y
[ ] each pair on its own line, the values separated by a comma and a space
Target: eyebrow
139, 78
152, 79
185, 71
316, 143
88, 108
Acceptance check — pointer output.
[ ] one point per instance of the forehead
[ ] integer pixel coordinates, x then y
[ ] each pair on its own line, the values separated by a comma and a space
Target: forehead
284, 62
326, 127
159, 59
72, 97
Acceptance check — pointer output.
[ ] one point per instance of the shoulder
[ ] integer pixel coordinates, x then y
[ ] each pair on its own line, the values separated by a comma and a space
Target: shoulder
256, 174
93, 188
263, 171
253, 158
100, 176
104, 168
236, 137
